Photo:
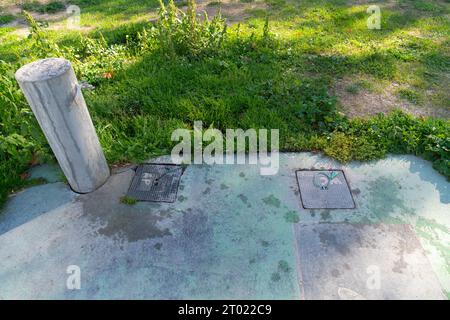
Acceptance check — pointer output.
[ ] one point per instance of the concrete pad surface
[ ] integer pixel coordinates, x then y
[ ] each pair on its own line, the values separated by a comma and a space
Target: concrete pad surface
232, 234
372, 261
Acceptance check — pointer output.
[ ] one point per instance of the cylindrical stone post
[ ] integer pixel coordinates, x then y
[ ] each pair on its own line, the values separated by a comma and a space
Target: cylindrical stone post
51, 88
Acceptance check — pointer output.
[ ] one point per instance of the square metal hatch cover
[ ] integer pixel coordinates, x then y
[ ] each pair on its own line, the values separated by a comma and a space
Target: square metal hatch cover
324, 189
155, 182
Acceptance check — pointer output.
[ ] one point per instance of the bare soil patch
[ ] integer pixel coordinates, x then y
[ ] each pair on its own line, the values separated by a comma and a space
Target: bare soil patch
358, 101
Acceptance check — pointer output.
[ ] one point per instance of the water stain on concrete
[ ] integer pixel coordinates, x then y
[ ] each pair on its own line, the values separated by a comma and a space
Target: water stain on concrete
335, 273
133, 226
329, 239
120, 221
405, 247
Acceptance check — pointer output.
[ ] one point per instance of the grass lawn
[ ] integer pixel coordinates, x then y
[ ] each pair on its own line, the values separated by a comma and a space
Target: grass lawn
310, 68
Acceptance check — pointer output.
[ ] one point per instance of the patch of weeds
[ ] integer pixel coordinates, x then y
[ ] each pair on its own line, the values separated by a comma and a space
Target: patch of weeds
6, 18
178, 33
410, 95
316, 106
340, 147
62, 178
51, 7
214, 3
428, 6
356, 87
352, 88
128, 200
346, 147
35, 182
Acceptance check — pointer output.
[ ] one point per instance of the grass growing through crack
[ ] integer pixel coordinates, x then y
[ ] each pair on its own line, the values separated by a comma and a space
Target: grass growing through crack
128, 200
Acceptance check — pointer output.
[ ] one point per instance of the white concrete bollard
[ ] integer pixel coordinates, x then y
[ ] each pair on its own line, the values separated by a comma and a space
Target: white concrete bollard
51, 88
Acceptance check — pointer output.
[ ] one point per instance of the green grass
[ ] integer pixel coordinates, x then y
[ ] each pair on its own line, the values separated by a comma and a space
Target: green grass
51, 7
6, 18
410, 95
147, 86
128, 200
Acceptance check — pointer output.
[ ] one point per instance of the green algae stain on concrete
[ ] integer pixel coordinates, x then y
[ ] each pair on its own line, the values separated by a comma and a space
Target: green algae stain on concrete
325, 214
438, 236
291, 217
283, 266
283, 269
272, 201
275, 277
385, 200
244, 199
265, 243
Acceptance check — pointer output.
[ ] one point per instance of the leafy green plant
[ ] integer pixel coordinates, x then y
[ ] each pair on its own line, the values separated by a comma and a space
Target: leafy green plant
128, 200
6, 18
179, 33
316, 107
410, 95
42, 46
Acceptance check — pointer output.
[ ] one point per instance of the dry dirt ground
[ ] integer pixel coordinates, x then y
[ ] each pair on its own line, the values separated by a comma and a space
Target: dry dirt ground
56, 20
380, 97
234, 11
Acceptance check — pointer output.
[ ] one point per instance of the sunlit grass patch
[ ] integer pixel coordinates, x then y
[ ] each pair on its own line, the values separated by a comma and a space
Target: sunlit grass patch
151, 79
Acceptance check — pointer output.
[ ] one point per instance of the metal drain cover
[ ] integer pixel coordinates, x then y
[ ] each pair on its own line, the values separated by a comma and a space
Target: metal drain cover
324, 189
155, 182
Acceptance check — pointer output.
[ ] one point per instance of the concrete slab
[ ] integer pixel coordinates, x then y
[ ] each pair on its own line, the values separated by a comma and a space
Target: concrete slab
230, 233
370, 261
30, 203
